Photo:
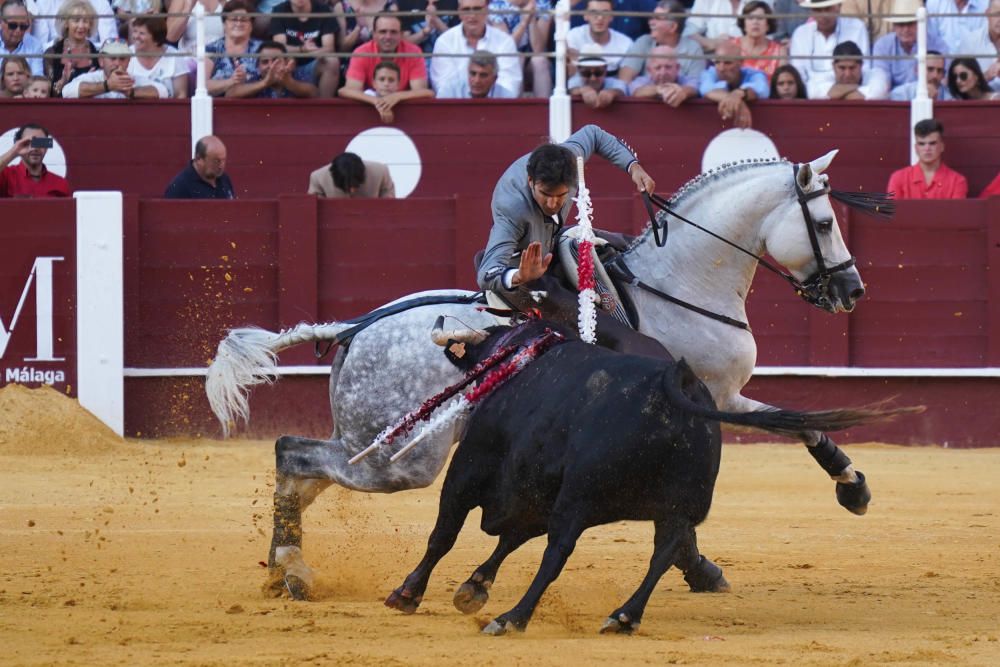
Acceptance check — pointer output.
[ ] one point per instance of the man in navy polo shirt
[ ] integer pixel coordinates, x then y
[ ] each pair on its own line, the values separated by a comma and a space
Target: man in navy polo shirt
204, 177
29, 178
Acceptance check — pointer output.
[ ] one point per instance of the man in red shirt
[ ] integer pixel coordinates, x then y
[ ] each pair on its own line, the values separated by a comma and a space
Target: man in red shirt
30, 178
929, 178
387, 40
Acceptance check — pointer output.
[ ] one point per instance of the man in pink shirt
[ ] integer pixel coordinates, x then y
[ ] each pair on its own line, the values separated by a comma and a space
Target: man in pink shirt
30, 178
929, 178
387, 40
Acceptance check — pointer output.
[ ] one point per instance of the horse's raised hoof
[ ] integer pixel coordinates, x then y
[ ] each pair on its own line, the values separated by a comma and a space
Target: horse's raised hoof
296, 587
498, 627
621, 625
854, 497
706, 577
470, 597
403, 601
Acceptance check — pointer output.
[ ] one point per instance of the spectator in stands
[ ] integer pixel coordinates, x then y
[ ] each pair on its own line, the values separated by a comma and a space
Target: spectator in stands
936, 89
965, 17
181, 28
77, 25
424, 32
30, 178
385, 93
663, 79
481, 81
205, 176
163, 64
991, 190
632, 27
473, 34
819, 37
598, 33
871, 13
710, 31
902, 42
929, 178
277, 76
39, 87
14, 76
388, 42
986, 40
359, 20
786, 84
733, 86
348, 176
792, 15
849, 81
229, 71
313, 36
966, 80
49, 29
759, 52
15, 38
665, 29
530, 31
113, 81
591, 82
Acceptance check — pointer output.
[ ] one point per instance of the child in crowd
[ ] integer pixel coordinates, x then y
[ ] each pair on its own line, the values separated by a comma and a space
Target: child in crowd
38, 87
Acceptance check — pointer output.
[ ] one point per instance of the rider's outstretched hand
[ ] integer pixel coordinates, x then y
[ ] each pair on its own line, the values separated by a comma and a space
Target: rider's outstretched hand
532, 265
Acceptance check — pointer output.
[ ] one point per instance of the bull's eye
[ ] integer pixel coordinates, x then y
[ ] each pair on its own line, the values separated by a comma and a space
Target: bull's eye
824, 226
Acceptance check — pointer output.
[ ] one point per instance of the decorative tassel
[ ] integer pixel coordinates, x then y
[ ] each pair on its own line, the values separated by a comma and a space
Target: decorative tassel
587, 315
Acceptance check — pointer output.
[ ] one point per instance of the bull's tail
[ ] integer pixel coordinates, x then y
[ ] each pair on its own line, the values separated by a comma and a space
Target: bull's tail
248, 357
785, 422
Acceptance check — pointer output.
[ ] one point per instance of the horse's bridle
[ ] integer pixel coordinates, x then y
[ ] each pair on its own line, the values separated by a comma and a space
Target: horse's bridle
815, 289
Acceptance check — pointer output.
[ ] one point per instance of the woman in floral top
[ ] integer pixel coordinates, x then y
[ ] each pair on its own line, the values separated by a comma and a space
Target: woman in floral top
757, 22
230, 70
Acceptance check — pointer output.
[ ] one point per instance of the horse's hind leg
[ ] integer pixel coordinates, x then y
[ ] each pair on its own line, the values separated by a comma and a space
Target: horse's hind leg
701, 574
852, 490
473, 594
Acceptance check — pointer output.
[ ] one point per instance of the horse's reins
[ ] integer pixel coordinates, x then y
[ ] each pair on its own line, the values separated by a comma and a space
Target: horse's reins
813, 289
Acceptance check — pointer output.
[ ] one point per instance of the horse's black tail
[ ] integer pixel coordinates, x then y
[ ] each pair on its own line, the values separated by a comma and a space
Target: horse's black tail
786, 422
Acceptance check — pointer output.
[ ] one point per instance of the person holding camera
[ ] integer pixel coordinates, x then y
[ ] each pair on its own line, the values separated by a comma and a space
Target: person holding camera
30, 178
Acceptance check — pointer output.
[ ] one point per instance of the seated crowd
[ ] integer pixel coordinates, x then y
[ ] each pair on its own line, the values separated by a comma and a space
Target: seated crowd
815, 49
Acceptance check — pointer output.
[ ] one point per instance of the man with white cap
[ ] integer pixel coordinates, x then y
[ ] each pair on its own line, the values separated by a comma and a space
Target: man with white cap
112, 81
902, 41
592, 82
813, 43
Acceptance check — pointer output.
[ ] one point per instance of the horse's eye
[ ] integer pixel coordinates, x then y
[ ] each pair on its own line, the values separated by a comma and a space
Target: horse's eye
824, 226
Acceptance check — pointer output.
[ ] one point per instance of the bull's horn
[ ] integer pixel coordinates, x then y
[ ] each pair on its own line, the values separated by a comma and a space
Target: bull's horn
441, 337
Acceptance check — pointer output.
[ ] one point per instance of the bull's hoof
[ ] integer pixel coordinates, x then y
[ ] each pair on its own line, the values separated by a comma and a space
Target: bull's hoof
706, 577
498, 627
621, 625
296, 587
470, 597
402, 600
854, 497
274, 585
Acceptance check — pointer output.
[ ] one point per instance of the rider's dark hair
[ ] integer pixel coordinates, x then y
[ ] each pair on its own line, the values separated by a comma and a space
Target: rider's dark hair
348, 171
553, 165
927, 127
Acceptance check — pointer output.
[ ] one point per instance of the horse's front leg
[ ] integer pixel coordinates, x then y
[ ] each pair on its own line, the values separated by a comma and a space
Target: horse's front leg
852, 490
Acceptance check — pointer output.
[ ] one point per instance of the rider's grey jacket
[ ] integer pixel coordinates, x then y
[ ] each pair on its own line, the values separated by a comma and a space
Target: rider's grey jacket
517, 219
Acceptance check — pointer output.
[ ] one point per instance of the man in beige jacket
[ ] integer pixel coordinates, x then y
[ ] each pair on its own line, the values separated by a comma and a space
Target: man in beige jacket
350, 176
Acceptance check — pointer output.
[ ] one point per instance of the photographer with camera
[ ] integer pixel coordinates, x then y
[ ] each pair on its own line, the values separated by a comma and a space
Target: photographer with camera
30, 178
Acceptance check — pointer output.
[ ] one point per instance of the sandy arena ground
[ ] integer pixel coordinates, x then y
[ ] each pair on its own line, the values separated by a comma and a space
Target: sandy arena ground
135, 553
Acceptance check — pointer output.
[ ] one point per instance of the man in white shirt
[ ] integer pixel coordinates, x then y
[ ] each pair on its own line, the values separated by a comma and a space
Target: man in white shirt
480, 83
986, 40
15, 38
473, 34
953, 29
112, 81
713, 22
45, 31
820, 36
848, 81
610, 44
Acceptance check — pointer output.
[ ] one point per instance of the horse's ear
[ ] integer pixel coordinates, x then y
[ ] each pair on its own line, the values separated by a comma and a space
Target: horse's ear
820, 164
804, 176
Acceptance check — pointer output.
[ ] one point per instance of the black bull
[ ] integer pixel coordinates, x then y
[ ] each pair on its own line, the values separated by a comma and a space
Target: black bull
585, 436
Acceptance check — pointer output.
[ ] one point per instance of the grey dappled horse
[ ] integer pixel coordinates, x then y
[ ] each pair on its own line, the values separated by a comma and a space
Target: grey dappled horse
391, 367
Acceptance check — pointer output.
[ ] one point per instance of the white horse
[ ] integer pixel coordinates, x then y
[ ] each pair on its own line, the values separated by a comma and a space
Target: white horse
392, 366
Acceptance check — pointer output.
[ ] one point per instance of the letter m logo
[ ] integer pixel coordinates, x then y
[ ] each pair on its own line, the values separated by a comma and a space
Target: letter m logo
41, 278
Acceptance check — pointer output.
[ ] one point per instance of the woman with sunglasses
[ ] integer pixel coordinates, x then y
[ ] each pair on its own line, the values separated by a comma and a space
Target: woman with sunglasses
966, 80
77, 23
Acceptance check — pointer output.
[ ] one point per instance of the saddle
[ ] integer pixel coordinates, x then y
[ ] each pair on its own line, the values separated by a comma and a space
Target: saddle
614, 300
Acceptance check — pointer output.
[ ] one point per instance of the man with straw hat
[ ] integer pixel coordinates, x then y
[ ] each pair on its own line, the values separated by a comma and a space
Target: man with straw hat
902, 41
812, 43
